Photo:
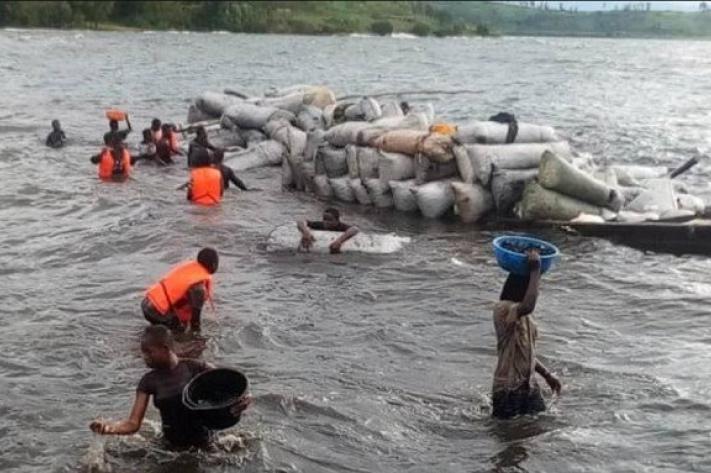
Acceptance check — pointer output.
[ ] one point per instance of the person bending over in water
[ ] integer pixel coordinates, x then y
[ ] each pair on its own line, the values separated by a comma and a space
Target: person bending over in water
56, 138
515, 390
331, 222
114, 132
176, 301
165, 383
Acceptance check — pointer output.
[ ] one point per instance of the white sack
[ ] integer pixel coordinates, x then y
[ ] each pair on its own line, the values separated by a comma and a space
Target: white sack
473, 201
434, 199
403, 197
379, 193
495, 133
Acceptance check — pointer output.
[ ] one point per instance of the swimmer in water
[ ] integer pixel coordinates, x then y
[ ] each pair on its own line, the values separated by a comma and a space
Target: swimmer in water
176, 301
156, 133
331, 222
515, 389
165, 383
56, 138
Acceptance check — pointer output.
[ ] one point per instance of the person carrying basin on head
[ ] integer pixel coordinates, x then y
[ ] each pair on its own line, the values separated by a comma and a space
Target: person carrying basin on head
515, 389
114, 132
331, 222
114, 160
181, 427
56, 137
177, 300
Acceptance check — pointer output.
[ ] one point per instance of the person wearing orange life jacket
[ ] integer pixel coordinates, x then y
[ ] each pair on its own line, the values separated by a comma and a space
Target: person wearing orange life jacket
176, 301
206, 186
114, 161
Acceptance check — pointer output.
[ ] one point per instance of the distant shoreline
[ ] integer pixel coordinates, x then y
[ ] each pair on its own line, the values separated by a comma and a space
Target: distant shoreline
110, 28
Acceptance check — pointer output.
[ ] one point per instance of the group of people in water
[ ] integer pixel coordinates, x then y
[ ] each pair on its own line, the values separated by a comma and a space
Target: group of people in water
174, 304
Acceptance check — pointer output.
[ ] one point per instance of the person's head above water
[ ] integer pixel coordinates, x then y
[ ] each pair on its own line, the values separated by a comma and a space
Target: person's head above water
209, 259
155, 124
166, 129
157, 346
514, 288
56, 126
331, 215
113, 125
147, 136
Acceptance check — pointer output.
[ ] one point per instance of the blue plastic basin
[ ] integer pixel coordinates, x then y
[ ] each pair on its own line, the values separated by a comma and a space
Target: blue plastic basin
515, 260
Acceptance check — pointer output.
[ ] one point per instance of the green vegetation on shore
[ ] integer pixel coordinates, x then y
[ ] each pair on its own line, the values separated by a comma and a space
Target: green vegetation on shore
304, 17
436, 18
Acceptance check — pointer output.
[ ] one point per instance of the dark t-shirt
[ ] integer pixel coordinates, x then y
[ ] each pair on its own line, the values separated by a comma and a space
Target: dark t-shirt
319, 225
180, 426
110, 135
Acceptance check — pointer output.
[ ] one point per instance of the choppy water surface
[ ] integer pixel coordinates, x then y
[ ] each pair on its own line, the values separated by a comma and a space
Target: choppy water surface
357, 363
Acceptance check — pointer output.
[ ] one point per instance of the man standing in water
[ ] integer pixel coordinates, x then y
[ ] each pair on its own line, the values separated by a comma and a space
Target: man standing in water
114, 132
332, 223
515, 390
165, 382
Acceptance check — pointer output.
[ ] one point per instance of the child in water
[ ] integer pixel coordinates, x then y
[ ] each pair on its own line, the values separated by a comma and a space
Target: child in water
165, 382
515, 390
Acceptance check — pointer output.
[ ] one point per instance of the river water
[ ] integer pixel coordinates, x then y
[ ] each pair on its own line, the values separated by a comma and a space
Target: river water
357, 363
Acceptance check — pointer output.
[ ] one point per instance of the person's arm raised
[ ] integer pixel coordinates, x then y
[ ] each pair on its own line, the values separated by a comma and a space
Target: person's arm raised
128, 426
528, 304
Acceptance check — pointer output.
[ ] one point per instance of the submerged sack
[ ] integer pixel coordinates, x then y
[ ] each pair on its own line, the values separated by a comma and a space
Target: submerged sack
555, 173
539, 203
287, 176
379, 193
322, 187
196, 115
496, 133
473, 201
346, 133
366, 109
360, 192
434, 199
476, 162
342, 189
507, 187
403, 197
310, 118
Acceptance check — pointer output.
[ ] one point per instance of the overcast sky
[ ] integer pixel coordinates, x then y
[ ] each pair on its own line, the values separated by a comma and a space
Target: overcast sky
595, 6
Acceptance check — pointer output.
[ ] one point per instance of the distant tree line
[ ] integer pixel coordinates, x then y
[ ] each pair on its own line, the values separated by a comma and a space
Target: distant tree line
305, 17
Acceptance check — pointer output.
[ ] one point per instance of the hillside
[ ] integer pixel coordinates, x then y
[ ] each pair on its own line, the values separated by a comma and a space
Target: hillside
437, 18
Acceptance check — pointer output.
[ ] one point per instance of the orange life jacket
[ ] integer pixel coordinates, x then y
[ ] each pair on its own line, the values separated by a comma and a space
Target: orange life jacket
170, 293
109, 168
205, 185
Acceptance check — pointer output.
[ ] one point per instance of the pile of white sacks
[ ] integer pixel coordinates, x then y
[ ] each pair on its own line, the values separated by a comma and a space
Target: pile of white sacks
373, 153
